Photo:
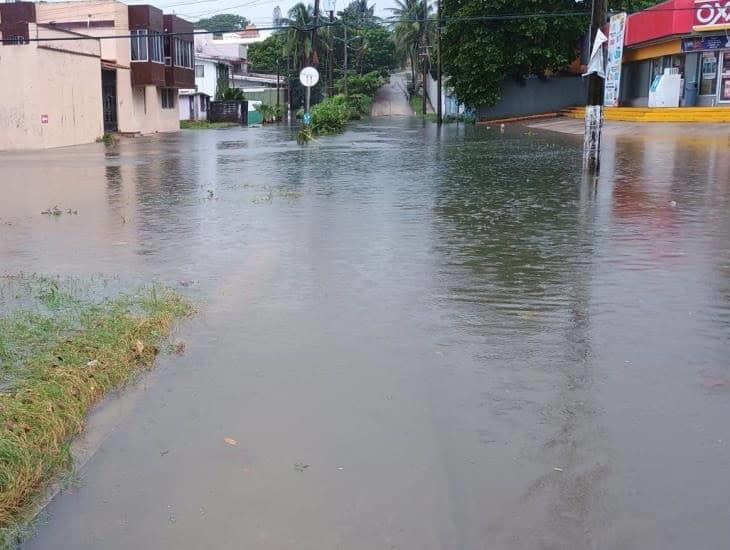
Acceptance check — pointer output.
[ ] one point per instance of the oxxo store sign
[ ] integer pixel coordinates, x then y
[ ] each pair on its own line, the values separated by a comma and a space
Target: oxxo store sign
712, 16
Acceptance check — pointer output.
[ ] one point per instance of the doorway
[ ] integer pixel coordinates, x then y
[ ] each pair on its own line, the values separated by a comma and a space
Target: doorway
723, 80
109, 99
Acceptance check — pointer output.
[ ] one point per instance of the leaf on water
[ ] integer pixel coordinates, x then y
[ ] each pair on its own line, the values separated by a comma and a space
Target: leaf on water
230, 441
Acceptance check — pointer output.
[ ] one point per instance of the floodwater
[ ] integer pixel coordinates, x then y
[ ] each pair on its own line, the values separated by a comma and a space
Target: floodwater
417, 340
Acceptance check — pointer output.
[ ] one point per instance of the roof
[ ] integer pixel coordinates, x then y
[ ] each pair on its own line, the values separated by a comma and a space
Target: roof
663, 21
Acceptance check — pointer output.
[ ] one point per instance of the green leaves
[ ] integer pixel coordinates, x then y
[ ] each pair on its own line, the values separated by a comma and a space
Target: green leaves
479, 55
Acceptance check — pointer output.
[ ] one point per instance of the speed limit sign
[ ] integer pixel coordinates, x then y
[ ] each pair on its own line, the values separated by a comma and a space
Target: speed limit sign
309, 76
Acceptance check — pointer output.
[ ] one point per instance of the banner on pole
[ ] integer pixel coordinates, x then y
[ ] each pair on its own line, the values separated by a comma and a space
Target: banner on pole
615, 51
595, 63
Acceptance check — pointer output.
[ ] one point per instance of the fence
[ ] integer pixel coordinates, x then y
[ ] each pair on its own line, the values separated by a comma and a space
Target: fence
267, 96
228, 111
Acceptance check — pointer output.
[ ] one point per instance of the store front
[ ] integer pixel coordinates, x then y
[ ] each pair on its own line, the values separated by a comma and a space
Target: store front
686, 37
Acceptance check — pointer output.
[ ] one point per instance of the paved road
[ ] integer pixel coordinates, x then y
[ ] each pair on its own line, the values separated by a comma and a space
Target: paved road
392, 99
418, 339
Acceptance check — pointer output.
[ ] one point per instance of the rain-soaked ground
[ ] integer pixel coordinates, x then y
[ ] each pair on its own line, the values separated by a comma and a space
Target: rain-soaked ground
417, 341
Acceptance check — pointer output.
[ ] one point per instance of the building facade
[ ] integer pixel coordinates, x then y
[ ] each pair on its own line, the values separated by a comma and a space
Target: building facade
144, 57
690, 38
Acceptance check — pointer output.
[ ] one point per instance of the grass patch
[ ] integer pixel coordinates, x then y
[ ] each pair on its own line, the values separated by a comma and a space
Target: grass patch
204, 125
56, 364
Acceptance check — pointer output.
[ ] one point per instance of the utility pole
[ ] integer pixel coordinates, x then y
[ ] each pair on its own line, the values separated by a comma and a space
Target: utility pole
315, 29
594, 101
424, 40
277, 84
439, 83
345, 25
331, 56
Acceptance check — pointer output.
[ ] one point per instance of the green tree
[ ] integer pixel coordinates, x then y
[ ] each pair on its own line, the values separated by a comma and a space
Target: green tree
410, 30
357, 14
378, 51
222, 22
223, 81
262, 56
298, 38
479, 55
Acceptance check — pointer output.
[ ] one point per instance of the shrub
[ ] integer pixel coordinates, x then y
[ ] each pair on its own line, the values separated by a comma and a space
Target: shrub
270, 113
330, 116
233, 94
366, 84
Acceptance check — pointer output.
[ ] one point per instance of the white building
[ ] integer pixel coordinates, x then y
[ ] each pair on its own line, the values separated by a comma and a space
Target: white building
213, 62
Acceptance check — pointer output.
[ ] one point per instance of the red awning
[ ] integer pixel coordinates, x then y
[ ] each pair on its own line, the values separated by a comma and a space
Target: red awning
663, 21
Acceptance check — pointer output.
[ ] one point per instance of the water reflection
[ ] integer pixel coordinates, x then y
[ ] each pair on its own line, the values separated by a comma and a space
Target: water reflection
547, 339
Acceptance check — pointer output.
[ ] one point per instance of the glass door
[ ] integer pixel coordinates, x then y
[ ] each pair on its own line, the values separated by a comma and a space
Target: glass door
723, 88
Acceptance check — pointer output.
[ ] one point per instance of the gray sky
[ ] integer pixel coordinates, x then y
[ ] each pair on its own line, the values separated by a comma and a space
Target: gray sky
258, 11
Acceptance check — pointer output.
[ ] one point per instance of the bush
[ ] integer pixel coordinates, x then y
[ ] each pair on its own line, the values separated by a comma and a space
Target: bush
366, 84
358, 105
330, 116
233, 94
270, 113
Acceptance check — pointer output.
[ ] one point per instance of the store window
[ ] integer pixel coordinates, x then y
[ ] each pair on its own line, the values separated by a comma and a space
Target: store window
708, 73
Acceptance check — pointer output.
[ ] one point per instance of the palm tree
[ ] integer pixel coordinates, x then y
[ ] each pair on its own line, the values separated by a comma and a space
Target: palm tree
299, 40
409, 30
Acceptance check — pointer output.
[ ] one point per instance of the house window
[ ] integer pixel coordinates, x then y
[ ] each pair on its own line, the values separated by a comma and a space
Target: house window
199, 71
139, 45
168, 98
183, 53
156, 47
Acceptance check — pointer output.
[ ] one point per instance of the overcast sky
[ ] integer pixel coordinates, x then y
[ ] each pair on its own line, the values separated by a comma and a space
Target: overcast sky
258, 11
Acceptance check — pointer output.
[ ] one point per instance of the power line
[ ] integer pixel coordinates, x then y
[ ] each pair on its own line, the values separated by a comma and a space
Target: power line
446, 20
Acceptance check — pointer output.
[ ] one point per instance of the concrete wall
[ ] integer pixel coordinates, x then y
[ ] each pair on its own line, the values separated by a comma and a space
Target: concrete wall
150, 115
139, 109
536, 96
40, 106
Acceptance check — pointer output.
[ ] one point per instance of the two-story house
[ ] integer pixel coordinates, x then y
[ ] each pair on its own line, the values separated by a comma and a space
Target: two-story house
144, 57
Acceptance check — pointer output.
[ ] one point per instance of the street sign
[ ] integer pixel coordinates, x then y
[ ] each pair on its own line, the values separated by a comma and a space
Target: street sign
307, 119
309, 76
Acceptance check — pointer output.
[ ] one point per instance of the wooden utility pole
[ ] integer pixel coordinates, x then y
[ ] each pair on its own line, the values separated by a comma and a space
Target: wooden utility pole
315, 28
346, 46
594, 101
331, 55
439, 83
424, 41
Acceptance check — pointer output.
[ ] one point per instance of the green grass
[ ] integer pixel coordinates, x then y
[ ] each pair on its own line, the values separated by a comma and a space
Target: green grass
204, 125
57, 362
416, 102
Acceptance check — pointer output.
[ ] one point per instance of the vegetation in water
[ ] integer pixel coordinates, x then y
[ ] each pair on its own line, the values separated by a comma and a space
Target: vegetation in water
57, 359
204, 125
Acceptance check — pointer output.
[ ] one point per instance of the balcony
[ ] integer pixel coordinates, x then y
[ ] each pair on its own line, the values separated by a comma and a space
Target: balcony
179, 53
147, 45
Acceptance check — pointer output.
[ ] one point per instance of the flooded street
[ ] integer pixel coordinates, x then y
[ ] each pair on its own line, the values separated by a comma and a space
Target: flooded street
417, 340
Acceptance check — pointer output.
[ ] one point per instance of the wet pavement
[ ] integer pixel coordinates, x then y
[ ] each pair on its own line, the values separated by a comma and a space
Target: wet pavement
392, 99
417, 341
